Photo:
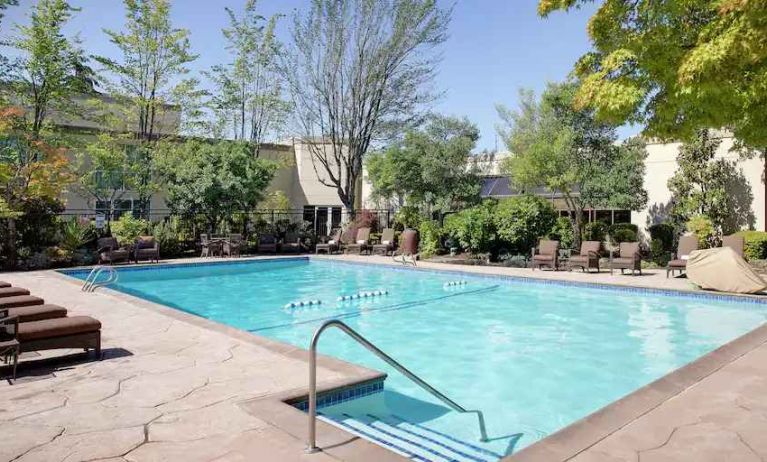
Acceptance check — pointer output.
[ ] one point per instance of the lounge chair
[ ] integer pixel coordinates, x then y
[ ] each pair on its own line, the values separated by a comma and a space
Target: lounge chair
51, 334
12, 292
34, 312
291, 243
20, 300
387, 242
362, 243
333, 245
110, 251
736, 243
587, 258
628, 257
208, 247
408, 249
267, 243
686, 245
233, 246
5, 284
546, 254
146, 248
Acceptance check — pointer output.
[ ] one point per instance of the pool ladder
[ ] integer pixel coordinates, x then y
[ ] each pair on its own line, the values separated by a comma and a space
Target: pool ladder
312, 443
92, 283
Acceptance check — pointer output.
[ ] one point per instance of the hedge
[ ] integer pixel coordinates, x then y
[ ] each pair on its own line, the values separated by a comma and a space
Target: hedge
756, 244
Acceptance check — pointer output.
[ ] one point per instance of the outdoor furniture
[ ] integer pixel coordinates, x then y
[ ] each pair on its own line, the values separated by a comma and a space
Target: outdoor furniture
628, 257
233, 245
291, 243
146, 248
722, 269
408, 249
362, 243
546, 254
50, 334
736, 243
267, 243
9, 350
387, 242
110, 251
34, 312
20, 300
333, 245
5, 284
587, 258
12, 292
686, 245
210, 247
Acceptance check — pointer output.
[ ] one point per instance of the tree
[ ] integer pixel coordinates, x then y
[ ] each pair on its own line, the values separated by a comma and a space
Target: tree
704, 185
357, 71
521, 221
248, 101
104, 169
430, 167
213, 179
568, 151
146, 81
677, 67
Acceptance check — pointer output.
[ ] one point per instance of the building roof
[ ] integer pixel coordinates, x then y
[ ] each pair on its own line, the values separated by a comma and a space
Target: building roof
500, 186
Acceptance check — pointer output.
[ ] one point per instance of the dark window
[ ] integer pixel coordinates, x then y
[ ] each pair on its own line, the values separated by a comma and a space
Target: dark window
623, 216
605, 216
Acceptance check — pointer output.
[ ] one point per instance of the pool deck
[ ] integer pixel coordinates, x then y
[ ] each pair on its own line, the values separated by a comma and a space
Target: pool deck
173, 386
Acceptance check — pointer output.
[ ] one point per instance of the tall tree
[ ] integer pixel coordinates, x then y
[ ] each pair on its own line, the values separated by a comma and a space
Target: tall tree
567, 151
678, 66
147, 79
248, 100
358, 70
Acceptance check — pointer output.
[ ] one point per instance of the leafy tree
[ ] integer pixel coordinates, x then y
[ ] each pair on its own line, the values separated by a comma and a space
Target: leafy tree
474, 228
521, 221
103, 169
430, 168
358, 71
248, 100
704, 185
568, 151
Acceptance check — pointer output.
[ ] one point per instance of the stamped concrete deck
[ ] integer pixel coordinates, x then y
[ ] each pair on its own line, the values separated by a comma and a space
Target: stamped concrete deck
173, 386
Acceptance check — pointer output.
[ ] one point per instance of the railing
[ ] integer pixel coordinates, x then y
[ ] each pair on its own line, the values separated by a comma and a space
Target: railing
312, 443
92, 283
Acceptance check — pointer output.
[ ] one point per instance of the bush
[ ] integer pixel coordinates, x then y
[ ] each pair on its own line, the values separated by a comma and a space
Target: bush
430, 235
167, 235
595, 231
127, 229
407, 217
703, 227
756, 244
521, 221
473, 228
563, 232
664, 233
74, 234
618, 227
658, 253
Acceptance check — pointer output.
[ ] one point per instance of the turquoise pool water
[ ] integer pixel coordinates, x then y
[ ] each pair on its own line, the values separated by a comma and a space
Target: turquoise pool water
534, 357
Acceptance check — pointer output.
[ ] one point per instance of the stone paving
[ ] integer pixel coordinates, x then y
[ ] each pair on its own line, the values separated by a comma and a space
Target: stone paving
175, 387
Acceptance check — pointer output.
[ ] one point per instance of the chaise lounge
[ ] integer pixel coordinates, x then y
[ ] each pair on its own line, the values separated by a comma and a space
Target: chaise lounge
333, 245
362, 243
20, 300
686, 245
5, 284
546, 254
386, 245
34, 312
12, 292
587, 258
628, 257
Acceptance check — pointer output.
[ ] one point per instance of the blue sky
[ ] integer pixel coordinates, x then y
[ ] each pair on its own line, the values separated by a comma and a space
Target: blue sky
495, 46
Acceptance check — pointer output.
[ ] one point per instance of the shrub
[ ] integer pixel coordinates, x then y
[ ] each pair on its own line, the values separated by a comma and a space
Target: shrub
562, 231
408, 216
595, 231
658, 253
167, 235
473, 228
618, 227
74, 234
521, 221
430, 235
703, 227
127, 229
756, 244
664, 233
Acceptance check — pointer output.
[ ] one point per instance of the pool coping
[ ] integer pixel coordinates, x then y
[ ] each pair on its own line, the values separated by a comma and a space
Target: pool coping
564, 444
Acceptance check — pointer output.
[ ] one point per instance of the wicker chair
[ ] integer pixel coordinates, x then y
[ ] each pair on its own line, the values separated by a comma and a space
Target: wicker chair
628, 257
546, 254
587, 258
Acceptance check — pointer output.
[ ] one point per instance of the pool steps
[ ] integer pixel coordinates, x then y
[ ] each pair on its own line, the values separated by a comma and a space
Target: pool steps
365, 294
411, 440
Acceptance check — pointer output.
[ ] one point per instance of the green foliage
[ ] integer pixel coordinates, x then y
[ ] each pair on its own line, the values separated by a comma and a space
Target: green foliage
521, 221
623, 226
408, 217
703, 227
430, 235
277, 201
473, 228
127, 229
74, 234
169, 236
623, 232
563, 232
755, 244
595, 231
658, 253
664, 234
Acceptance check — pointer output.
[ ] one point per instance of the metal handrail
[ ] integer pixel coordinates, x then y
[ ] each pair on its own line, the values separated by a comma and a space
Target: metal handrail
312, 443
91, 283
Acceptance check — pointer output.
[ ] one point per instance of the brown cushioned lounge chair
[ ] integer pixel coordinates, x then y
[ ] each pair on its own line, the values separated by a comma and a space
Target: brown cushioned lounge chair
736, 243
686, 245
5, 284
333, 245
362, 243
386, 245
34, 312
20, 300
12, 292
587, 258
547, 254
291, 243
50, 334
146, 248
110, 251
267, 243
628, 258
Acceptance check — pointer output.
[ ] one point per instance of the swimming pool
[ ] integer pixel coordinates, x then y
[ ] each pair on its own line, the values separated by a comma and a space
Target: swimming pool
533, 356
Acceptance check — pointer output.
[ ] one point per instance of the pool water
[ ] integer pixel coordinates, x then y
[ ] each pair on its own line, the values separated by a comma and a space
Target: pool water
534, 357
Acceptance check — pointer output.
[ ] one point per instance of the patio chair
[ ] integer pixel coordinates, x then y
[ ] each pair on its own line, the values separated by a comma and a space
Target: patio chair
686, 245
587, 258
233, 245
110, 252
333, 245
34, 312
546, 254
291, 243
736, 243
52, 334
5, 284
408, 249
12, 292
387, 242
209, 247
628, 257
20, 300
267, 243
146, 248
362, 243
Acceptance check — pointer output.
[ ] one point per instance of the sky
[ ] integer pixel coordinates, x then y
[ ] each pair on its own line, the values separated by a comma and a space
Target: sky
495, 47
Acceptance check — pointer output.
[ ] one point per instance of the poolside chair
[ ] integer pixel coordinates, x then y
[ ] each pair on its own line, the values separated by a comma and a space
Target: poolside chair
408, 249
686, 245
12, 292
233, 245
5, 284
333, 245
736, 243
546, 254
110, 252
20, 300
362, 243
51, 334
291, 243
267, 243
146, 248
587, 258
208, 247
34, 312
387, 242
628, 257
